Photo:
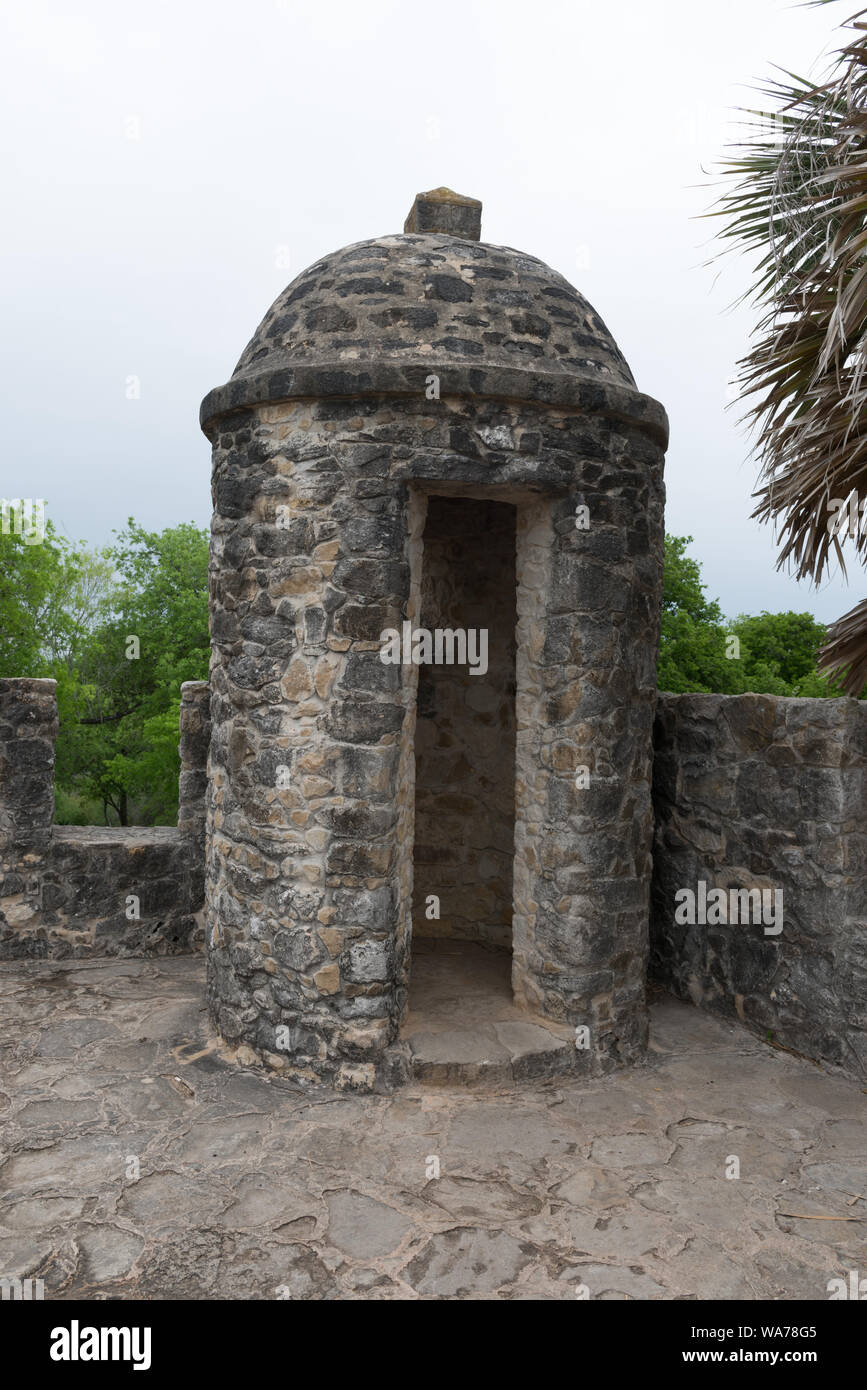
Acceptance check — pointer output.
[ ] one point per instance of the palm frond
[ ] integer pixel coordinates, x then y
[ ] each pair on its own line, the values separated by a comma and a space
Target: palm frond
796, 194
844, 653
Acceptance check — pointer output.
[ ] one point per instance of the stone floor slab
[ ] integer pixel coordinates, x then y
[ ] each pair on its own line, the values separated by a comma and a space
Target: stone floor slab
139, 1162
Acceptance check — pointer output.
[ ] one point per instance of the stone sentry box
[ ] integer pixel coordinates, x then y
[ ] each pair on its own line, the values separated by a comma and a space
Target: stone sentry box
413, 367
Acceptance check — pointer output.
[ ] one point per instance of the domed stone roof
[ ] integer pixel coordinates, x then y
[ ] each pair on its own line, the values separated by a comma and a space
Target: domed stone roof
379, 315
439, 298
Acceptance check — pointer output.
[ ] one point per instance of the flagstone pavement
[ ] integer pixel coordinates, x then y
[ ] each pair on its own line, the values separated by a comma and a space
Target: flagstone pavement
136, 1161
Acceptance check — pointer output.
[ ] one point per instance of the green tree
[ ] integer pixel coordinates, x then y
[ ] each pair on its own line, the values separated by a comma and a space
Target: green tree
776, 653
34, 624
788, 641
121, 696
780, 652
692, 647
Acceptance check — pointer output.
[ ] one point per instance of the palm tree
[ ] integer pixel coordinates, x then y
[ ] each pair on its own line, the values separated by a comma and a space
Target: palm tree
796, 192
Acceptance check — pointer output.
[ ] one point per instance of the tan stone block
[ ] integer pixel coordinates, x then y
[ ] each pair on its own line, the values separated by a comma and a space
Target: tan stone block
313, 787
312, 761
306, 580
369, 1036
310, 709
327, 550
296, 684
327, 980
332, 938
323, 675
356, 1076
286, 797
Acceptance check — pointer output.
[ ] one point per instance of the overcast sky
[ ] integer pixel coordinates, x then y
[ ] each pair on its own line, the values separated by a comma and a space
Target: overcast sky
170, 166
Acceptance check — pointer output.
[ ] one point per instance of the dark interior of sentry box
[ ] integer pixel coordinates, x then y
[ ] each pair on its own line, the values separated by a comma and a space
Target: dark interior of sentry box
465, 737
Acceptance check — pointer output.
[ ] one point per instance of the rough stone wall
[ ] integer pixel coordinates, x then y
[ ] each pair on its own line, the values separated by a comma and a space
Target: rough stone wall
465, 734
308, 907
759, 791
91, 890
416, 514
308, 880
195, 736
588, 622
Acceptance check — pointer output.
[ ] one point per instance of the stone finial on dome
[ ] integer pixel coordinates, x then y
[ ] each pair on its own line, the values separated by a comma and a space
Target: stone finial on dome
441, 210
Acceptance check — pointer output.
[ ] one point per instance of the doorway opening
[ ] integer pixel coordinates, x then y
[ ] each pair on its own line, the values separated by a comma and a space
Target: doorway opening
465, 738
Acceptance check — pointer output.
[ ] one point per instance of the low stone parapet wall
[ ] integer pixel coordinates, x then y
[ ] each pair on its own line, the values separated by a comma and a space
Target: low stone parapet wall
69, 891
759, 808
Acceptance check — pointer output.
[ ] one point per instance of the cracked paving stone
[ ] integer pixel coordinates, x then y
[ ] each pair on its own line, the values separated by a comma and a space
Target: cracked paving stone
494, 1129
472, 1200
21, 1255
41, 1115
618, 1106
329, 1146
612, 1282
781, 1275
74, 1164
232, 1140
22, 1215
704, 1149
246, 1091
108, 1252
184, 1265
467, 1261
632, 1233
259, 1201
717, 1204
60, 1268
156, 1201
267, 1270
63, 1038
153, 1098
631, 1150
591, 1186
703, 1271
847, 1177
362, 1227
372, 1284
254, 1187
793, 1216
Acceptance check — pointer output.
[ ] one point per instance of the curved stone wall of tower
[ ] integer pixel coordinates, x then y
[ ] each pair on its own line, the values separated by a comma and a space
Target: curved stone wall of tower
414, 365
